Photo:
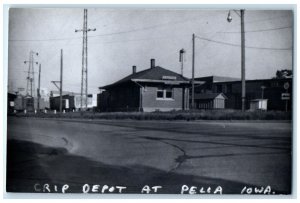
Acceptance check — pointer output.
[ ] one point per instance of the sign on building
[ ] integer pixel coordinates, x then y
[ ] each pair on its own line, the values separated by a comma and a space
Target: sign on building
166, 77
285, 96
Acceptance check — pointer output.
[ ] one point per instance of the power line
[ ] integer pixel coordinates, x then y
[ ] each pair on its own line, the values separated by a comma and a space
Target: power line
145, 39
129, 40
238, 45
78, 85
102, 35
262, 30
123, 32
143, 28
42, 40
266, 19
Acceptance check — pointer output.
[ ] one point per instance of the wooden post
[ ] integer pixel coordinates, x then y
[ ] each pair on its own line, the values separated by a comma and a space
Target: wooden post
193, 72
61, 80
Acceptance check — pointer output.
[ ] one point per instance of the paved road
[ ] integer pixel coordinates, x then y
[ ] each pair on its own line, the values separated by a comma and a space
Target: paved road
136, 153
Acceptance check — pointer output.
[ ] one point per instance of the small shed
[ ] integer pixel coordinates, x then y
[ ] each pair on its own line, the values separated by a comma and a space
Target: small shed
210, 100
259, 104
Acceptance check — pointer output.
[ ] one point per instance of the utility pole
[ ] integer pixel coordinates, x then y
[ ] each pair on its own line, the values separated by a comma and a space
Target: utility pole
60, 82
84, 71
30, 74
243, 59
243, 72
193, 72
39, 88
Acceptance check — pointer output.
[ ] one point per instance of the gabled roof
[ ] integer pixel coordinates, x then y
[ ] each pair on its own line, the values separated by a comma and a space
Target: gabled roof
151, 74
209, 95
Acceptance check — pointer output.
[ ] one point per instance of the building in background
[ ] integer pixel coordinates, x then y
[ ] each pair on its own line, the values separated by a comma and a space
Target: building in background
72, 101
153, 89
68, 103
28, 103
277, 91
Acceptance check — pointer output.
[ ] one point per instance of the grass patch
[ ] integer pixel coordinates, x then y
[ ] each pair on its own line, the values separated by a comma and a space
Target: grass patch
173, 115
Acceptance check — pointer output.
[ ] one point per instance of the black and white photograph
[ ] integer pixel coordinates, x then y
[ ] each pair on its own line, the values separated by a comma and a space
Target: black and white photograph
150, 100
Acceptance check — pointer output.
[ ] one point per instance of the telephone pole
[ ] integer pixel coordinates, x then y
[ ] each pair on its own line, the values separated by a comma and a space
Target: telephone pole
193, 72
84, 71
30, 74
243, 72
39, 89
60, 81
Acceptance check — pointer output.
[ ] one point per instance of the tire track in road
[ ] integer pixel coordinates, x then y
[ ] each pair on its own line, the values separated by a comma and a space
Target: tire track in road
179, 159
184, 156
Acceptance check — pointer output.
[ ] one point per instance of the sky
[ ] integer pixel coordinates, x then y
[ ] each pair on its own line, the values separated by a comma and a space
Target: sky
127, 37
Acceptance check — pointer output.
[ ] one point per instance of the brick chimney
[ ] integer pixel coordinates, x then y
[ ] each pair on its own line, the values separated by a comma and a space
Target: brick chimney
133, 69
152, 63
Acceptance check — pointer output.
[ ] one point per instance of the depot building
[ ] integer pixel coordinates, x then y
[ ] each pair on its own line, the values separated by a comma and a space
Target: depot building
153, 89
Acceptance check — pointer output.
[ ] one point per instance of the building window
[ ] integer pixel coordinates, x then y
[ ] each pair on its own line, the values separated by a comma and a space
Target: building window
164, 93
169, 93
160, 93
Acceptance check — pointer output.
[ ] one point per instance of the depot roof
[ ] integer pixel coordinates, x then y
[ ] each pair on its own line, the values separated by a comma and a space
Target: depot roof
156, 74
